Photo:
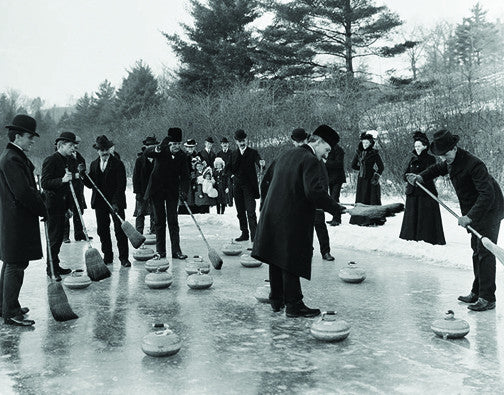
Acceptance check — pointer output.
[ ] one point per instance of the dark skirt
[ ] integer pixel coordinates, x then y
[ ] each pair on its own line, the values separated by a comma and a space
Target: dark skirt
367, 193
422, 220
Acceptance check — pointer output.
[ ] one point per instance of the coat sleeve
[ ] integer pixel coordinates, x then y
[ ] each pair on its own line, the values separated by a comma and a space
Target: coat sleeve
355, 161
435, 170
21, 189
379, 163
486, 194
121, 184
315, 187
49, 181
137, 170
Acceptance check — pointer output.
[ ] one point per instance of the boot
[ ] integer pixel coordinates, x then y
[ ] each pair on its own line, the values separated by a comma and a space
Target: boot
299, 309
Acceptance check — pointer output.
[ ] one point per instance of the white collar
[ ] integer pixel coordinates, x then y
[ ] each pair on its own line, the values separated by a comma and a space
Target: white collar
15, 145
313, 150
242, 150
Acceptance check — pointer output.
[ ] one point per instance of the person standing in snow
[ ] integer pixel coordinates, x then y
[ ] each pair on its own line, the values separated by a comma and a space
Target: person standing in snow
482, 206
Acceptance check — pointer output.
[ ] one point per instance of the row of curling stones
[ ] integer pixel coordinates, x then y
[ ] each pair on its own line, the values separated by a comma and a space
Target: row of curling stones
77, 280
158, 276
197, 270
161, 342
450, 327
352, 273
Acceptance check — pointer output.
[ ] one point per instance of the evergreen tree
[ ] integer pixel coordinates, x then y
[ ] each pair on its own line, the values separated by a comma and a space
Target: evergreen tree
103, 104
138, 91
308, 35
218, 51
83, 115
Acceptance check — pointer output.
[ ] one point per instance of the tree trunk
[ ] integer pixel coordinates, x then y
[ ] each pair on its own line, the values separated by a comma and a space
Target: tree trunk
348, 40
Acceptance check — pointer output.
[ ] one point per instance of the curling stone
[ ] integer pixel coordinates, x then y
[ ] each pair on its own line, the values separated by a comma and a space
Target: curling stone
150, 239
262, 293
77, 280
159, 279
450, 327
157, 263
352, 273
247, 261
328, 328
144, 254
161, 342
199, 280
232, 248
197, 263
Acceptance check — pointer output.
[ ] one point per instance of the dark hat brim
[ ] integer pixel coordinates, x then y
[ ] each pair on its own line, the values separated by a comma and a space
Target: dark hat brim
438, 149
65, 139
21, 129
108, 145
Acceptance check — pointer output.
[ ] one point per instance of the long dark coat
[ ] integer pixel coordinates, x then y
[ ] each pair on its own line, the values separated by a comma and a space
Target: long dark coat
207, 157
170, 174
221, 183
479, 195
77, 183
284, 236
335, 166
112, 183
367, 162
243, 169
226, 157
21, 205
422, 217
141, 174
58, 197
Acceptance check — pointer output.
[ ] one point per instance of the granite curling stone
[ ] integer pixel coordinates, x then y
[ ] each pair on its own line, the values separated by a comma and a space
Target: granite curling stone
328, 328
199, 280
77, 280
144, 254
197, 263
352, 273
262, 292
450, 327
150, 239
232, 248
159, 279
161, 342
247, 261
157, 263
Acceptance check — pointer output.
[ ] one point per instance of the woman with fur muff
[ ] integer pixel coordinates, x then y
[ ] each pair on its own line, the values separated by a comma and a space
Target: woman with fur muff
422, 217
368, 162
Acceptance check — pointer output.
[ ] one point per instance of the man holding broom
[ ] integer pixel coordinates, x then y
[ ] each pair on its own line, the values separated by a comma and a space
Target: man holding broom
482, 206
21, 205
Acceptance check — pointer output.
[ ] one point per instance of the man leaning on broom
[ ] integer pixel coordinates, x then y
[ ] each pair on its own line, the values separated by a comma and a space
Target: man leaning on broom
21, 205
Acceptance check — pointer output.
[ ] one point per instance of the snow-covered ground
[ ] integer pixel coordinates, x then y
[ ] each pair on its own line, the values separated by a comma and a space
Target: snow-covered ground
383, 239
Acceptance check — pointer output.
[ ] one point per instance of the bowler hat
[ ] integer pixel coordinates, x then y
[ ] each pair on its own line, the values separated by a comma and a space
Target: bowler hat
240, 134
150, 140
67, 136
175, 135
210, 139
299, 135
102, 143
224, 140
328, 134
24, 123
190, 143
422, 137
443, 142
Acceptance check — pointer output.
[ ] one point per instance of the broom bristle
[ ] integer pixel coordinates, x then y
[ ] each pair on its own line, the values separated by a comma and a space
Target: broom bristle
95, 266
135, 237
58, 302
214, 258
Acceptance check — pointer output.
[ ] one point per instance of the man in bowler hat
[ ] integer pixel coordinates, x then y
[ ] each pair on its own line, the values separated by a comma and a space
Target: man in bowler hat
56, 177
481, 204
109, 174
245, 186
284, 237
21, 205
169, 181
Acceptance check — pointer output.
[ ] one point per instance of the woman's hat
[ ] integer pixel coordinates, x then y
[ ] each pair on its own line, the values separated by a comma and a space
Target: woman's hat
24, 123
219, 160
443, 141
422, 137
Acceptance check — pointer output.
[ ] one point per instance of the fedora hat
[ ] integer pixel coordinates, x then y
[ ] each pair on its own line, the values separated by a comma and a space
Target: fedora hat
443, 141
175, 135
224, 140
240, 135
299, 135
25, 124
67, 136
328, 134
102, 143
210, 139
190, 143
150, 140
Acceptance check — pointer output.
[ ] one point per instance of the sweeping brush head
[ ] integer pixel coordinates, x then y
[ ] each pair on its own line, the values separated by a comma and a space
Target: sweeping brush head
95, 266
135, 237
58, 302
214, 258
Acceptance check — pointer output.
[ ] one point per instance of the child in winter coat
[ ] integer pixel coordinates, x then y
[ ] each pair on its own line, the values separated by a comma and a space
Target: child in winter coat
221, 184
206, 193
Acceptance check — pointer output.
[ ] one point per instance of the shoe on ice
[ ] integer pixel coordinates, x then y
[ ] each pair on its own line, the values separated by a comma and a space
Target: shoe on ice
482, 305
471, 298
299, 309
327, 257
19, 320
242, 238
277, 305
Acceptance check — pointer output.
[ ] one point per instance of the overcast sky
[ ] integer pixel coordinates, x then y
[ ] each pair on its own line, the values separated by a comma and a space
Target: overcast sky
60, 49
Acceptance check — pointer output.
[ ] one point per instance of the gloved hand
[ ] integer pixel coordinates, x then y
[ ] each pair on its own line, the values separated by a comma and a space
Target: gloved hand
115, 207
414, 178
464, 221
81, 168
375, 180
165, 144
67, 177
183, 196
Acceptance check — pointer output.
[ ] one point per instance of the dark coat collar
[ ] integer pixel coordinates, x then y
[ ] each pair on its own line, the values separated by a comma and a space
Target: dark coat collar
308, 148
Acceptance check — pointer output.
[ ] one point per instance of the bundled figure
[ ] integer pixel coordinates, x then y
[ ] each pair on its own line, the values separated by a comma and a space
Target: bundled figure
221, 184
225, 155
422, 217
205, 192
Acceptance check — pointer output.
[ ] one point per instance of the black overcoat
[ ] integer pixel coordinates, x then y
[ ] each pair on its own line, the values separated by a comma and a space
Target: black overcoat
208, 157
479, 195
141, 174
170, 173
21, 205
284, 236
243, 170
73, 163
367, 162
335, 166
112, 183
422, 217
57, 193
